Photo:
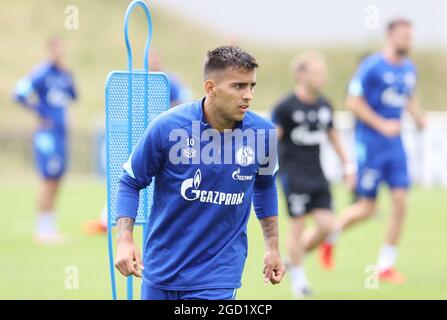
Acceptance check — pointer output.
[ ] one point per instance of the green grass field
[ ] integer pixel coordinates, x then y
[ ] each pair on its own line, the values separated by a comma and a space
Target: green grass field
30, 271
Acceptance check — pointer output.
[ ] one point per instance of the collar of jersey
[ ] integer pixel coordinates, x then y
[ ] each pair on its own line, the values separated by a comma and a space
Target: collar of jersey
201, 118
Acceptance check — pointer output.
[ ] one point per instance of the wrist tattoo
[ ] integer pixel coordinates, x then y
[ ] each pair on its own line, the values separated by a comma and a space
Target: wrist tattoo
270, 230
124, 225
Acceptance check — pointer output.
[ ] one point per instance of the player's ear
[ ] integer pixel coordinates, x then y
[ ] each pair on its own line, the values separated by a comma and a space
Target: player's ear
210, 87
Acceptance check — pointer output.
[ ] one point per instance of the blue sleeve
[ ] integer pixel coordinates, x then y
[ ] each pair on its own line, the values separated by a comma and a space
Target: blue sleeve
265, 195
127, 198
26, 87
143, 164
360, 81
22, 90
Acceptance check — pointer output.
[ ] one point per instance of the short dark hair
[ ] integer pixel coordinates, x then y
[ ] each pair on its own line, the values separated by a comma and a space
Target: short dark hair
228, 57
393, 24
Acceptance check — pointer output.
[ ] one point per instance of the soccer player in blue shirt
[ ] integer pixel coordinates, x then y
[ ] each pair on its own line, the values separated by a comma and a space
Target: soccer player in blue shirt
47, 91
206, 178
380, 91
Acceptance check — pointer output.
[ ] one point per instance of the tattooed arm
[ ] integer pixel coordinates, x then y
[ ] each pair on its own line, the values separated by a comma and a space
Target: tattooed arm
128, 258
125, 229
274, 269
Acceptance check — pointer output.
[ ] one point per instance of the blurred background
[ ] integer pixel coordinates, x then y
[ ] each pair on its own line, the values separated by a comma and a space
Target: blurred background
275, 32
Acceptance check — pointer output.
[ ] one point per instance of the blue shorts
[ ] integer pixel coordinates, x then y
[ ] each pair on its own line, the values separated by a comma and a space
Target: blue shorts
49, 153
375, 165
150, 293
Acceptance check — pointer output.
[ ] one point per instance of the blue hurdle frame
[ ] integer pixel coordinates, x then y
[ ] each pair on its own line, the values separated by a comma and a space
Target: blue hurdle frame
129, 74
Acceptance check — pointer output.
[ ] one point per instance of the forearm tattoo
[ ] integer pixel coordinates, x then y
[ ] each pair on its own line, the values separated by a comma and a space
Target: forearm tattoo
125, 225
270, 230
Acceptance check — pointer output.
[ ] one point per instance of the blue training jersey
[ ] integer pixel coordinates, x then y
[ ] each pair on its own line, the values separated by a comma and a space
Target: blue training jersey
197, 229
48, 91
386, 87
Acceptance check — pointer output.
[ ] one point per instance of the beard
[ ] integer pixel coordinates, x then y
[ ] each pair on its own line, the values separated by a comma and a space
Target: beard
402, 52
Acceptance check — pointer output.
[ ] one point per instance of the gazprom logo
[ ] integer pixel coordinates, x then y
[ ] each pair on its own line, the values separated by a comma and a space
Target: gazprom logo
57, 98
197, 178
393, 98
192, 183
190, 191
236, 176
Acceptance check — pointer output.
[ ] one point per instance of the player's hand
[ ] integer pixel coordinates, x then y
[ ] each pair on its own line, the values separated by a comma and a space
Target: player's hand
274, 269
349, 180
128, 259
349, 175
391, 128
421, 122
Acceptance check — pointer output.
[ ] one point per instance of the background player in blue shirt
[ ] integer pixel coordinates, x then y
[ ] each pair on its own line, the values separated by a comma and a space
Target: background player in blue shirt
47, 91
381, 90
179, 93
196, 242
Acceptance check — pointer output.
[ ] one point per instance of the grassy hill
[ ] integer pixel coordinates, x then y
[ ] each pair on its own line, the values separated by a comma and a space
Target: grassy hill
97, 47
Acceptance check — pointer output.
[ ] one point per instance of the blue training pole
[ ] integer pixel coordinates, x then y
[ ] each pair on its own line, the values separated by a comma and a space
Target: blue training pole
144, 6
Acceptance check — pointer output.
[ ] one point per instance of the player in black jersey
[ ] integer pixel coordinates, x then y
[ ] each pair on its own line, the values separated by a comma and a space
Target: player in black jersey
304, 118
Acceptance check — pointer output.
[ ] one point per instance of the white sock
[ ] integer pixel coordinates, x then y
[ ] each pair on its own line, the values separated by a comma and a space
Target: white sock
46, 224
387, 257
298, 276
